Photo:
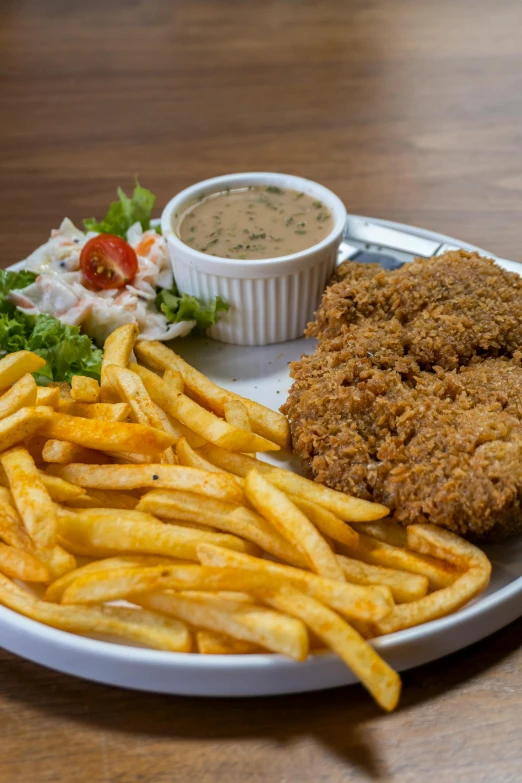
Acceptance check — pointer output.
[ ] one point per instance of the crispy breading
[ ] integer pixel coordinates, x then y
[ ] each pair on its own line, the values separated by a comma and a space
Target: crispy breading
413, 397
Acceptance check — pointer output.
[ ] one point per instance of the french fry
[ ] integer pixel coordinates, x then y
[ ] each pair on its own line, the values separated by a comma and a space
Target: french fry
352, 601
227, 517
130, 388
275, 506
19, 564
404, 586
56, 589
22, 394
124, 477
117, 350
216, 430
148, 628
84, 389
118, 411
109, 532
170, 424
104, 498
326, 522
370, 550
96, 434
15, 365
22, 424
30, 496
186, 454
237, 415
178, 430
5, 494
61, 491
274, 631
380, 679
437, 542
57, 560
98, 586
151, 628
64, 390
174, 379
230, 599
58, 489
348, 508
63, 452
386, 531
194, 526
265, 422
212, 643
128, 458
48, 395
12, 529
198, 419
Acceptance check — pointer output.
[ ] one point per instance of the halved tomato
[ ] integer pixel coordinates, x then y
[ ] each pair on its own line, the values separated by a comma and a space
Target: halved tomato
108, 261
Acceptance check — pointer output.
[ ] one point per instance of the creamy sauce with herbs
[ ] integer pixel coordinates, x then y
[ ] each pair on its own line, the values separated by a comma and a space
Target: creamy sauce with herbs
255, 222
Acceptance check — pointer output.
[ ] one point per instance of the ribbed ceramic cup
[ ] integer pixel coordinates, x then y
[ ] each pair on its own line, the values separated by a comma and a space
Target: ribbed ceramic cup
271, 299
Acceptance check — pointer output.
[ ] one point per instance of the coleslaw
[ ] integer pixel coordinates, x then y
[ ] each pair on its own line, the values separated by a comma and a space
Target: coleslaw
150, 300
49, 306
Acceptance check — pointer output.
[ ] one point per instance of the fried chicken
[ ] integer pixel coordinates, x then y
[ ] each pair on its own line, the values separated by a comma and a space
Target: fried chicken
413, 397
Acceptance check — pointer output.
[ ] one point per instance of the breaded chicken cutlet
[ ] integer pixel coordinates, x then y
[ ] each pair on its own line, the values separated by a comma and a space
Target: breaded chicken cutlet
413, 397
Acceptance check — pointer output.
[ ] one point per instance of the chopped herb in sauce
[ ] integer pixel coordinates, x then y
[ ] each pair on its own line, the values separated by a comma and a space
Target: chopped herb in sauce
268, 213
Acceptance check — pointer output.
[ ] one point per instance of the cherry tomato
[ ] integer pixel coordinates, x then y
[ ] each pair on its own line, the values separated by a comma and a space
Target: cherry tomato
108, 261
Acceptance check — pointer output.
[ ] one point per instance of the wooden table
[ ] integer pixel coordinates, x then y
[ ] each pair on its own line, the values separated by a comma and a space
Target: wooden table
409, 111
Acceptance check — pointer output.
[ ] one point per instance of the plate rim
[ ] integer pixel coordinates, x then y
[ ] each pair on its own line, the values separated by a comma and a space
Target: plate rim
122, 651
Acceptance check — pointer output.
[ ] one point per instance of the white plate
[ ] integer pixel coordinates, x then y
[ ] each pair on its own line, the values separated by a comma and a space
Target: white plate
262, 374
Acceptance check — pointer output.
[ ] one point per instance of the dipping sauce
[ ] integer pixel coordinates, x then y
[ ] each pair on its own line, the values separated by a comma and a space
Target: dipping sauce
255, 222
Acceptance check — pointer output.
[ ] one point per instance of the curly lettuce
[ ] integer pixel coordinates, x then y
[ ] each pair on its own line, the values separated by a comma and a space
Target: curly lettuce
66, 351
124, 213
178, 307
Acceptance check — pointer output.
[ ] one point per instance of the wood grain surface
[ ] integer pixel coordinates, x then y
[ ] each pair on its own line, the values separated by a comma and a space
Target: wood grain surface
409, 111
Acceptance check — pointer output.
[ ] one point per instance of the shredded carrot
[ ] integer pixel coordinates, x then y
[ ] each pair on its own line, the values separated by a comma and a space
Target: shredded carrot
145, 245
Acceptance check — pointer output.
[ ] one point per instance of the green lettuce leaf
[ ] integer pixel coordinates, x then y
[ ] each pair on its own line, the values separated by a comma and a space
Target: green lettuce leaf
11, 280
66, 351
182, 307
122, 214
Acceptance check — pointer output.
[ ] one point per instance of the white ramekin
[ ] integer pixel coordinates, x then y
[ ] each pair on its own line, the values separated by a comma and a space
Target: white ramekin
272, 299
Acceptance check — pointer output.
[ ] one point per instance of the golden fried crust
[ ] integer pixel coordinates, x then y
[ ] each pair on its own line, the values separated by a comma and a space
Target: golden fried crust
414, 395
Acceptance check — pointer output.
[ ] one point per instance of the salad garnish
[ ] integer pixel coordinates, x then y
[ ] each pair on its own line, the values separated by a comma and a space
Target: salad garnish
124, 213
66, 351
80, 286
178, 307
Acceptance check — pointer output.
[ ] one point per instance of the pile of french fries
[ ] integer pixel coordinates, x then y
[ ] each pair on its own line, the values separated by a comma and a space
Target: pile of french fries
136, 508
